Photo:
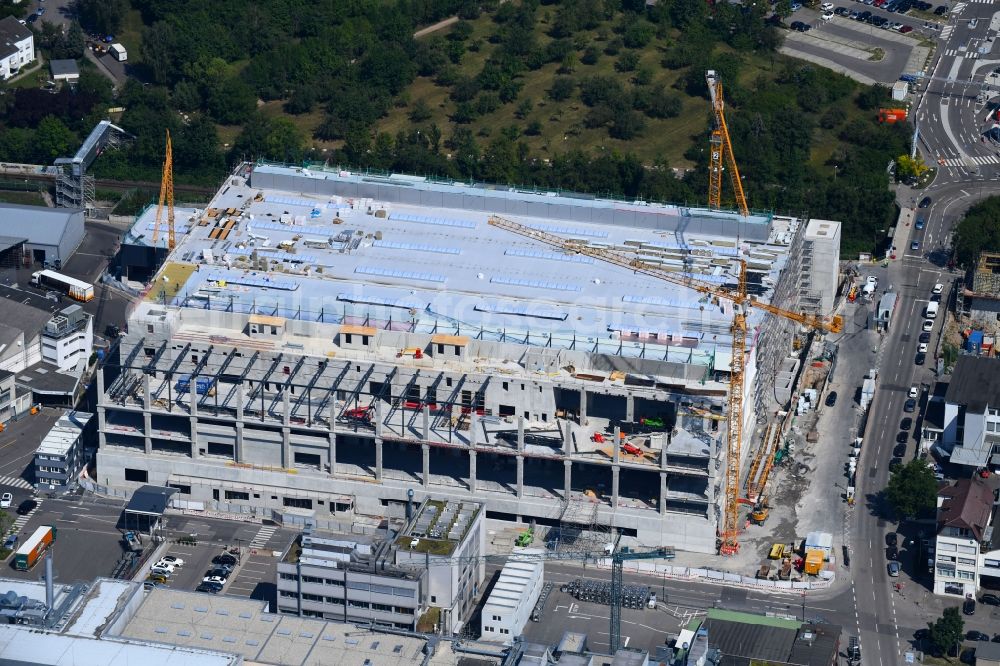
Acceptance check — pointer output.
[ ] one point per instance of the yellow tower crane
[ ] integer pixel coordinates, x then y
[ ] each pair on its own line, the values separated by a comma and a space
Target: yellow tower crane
722, 149
742, 302
166, 192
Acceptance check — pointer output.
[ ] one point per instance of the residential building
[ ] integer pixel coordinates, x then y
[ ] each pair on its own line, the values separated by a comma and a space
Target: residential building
68, 338
338, 362
434, 562
63, 452
513, 597
51, 235
17, 46
971, 434
967, 546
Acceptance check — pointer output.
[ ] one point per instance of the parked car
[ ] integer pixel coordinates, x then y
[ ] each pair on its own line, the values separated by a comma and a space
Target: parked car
831, 399
990, 599
925, 337
165, 564
891, 539
172, 559
214, 579
224, 558
928, 325
920, 358
895, 464
901, 437
938, 288
974, 635
6, 500
906, 423
827, 6
921, 634
910, 406
209, 588
922, 347
891, 553
156, 578
900, 449
969, 607
160, 571
941, 10
906, 29
827, 16
10, 543
218, 573
26, 507
893, 568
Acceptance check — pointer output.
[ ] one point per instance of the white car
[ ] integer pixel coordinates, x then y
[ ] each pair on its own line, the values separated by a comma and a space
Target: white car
872, 280
214, 579
922, 348
827, 6
172, 559
938, 288
928, 325
6, 500
914, 391
167, 564
827, 16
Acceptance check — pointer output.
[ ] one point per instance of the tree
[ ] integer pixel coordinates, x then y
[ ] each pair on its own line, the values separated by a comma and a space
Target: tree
420, 112
104, 16
562, 88
947, 630
232, 102
978, 231
909, 167
912, 489
53, 139
187, 96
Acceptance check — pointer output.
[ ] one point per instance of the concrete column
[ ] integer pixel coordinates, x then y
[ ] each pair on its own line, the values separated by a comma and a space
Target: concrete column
286, 448
583, 406
567, 438
425, 451
630, 408
238, 452
567, 478
378, 458
378, 418
147, 430
147, 399
616, 452
520, 433
472, 472
240, 399
332, 435
520, 476
426, 425
615, 470
286, 406
663, 492
663, 451
193, 397
473, 429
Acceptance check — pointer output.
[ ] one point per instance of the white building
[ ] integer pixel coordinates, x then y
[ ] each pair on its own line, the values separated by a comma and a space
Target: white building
17, 47
68, 338
820, 265
61, 455
971, 424
509, 606
967, 545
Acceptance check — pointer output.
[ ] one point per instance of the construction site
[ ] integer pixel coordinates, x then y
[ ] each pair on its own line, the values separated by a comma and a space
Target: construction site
324, 342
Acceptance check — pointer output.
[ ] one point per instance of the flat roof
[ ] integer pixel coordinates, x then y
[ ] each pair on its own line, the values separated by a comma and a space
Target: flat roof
64, 68
64, 433
975, 383
47, 378
150, 500
244, 627
512, 585
288, 249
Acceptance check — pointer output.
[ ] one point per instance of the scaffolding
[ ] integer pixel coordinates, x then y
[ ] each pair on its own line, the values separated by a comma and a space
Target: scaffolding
74, 188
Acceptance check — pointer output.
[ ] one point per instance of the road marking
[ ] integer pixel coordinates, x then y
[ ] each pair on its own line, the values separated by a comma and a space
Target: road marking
15, 482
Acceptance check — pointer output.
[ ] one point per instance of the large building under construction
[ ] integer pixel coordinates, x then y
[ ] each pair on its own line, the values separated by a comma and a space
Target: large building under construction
326, 341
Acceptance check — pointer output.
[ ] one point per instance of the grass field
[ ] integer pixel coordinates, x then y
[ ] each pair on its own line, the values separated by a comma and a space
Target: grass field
23, 198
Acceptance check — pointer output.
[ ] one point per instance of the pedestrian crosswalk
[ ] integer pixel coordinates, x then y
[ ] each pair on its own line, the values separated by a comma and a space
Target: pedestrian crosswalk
21, 521
982, 160
263, 536
958, 6
982, 2
946, 31
971, 55
15, 482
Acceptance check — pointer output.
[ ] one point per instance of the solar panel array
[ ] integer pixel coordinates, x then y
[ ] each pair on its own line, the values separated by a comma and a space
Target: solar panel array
254, 281
554, 256
537, 284
293, 228
290, 201
404, 275
658, 300
568, 231
408, 303
522, 310
439, 221
418, 247
178, 228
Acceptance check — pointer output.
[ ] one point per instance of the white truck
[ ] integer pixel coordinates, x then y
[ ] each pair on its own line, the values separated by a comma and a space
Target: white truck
118, 52
932, 310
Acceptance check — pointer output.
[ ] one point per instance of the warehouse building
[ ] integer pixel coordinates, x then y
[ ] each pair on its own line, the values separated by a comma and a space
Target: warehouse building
51, 235
329, 341
513, 597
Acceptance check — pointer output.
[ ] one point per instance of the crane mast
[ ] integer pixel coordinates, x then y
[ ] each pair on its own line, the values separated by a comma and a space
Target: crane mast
166, 192
722, 150
729, 533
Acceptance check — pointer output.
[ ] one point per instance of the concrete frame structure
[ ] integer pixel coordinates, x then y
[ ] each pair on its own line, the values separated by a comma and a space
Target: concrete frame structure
359, 404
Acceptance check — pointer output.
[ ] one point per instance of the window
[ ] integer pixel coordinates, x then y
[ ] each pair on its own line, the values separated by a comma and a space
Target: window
946, 571
447, 381
967, 562
286, 576
506, 386
347, 338
298, 502
149, 328
966, 575
138, 475
458, 350
237, 495
440, 348
289, 593
364, 340
433, 599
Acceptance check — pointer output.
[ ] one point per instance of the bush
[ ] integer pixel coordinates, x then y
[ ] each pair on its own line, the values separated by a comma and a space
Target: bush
562, 88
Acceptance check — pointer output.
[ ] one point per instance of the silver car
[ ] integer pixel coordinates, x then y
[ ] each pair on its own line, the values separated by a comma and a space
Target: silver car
893, 567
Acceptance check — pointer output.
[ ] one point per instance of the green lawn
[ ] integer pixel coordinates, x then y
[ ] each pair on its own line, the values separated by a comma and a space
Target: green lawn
23, 198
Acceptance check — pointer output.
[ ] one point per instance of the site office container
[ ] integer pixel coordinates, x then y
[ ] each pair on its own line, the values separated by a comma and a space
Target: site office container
34, 547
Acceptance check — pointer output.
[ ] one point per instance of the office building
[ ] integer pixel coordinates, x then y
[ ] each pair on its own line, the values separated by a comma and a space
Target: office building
63, 453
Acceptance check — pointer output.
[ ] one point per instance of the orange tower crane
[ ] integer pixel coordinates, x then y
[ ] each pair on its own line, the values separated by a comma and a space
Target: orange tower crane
722, 149
166, 192
742, 302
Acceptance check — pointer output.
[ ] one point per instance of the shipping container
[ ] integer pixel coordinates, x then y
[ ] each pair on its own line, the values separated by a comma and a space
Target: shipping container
204, 385
34, 547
